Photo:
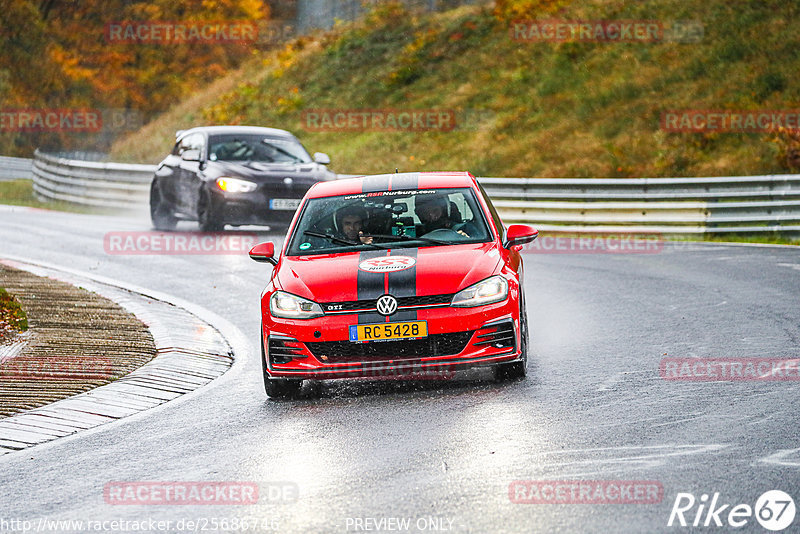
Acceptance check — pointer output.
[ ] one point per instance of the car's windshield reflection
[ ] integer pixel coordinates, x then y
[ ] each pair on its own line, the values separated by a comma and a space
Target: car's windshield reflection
388, 219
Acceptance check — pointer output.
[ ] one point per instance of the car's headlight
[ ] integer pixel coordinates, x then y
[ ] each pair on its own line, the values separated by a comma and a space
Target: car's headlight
491, 290
288, 306
235, 185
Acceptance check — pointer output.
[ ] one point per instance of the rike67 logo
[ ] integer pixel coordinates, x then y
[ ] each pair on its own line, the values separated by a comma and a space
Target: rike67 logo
774, 510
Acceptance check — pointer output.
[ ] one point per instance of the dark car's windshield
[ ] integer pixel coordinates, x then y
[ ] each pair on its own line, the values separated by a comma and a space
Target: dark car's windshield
259, 148
395, 219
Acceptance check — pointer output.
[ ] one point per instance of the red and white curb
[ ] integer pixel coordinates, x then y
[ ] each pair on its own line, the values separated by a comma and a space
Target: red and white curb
190, 354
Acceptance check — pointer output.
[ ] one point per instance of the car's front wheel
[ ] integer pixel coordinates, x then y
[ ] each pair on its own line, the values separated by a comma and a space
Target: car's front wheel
161, 213
515, 370
207, 214
277, 388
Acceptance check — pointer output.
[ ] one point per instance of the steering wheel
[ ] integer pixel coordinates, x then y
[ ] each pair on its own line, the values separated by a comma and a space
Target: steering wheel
445, 234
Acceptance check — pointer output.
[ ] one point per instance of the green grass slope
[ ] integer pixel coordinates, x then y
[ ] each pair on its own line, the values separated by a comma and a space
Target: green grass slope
572, 109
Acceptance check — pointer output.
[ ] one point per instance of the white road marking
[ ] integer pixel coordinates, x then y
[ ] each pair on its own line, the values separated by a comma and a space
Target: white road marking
780, 458
618, 458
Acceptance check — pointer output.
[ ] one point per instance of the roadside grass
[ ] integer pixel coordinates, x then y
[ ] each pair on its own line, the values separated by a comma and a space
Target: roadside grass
12, 317
153, 141
773, 238
20, 193
523, 108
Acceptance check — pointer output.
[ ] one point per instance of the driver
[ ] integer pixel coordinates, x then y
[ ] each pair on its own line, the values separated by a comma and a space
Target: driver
433, 213
350, 222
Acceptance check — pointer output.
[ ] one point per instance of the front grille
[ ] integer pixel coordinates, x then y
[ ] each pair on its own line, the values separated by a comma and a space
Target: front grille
433, 345
370, 304
278, 189
283, 349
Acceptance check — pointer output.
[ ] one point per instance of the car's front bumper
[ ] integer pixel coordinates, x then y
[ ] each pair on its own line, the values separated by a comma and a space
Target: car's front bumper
239, 212
258, 207
458, 338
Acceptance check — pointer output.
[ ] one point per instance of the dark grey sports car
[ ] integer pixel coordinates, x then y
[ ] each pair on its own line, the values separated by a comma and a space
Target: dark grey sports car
235, 175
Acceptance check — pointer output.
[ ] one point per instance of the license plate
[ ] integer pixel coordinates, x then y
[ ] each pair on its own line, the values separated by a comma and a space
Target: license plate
284, 203
384, 331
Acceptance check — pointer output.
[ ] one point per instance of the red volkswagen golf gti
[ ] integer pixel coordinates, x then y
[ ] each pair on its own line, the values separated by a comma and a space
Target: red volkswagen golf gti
397, 275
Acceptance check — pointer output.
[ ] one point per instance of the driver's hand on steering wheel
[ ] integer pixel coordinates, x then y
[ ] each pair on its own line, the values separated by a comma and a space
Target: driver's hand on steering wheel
365, 239
462, 232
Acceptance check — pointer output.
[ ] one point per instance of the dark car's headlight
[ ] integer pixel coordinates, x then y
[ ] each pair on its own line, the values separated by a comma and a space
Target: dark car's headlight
493, 289
288, 306
235, 185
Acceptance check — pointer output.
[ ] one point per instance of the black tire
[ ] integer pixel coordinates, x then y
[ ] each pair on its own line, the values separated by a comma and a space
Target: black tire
161, 213
517, 370
207, 214
277, 388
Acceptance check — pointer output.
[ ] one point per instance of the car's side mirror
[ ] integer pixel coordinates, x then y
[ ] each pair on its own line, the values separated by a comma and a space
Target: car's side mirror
322, 158
264, 253
518, 235
190, 155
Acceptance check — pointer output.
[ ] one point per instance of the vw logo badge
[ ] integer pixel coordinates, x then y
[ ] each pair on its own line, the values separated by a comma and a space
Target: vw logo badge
387, 305
288, 181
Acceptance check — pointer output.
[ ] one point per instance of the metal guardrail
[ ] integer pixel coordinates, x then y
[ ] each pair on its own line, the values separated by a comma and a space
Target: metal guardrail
90, 183
744, 204
15, 168
741, 204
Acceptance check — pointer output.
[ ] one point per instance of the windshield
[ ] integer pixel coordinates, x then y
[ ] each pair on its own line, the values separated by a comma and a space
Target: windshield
256, 148
389, 219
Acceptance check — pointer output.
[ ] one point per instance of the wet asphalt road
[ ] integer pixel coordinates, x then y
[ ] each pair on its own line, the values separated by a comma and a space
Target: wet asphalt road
593, 407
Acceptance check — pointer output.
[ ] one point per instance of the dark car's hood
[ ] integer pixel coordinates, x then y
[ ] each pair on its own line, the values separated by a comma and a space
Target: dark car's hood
258, 171
435, 271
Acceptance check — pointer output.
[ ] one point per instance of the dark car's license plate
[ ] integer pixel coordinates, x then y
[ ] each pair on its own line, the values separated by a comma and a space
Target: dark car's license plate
383, 331
284, 203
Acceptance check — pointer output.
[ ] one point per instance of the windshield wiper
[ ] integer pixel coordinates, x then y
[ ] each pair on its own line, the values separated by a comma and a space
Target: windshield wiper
409, 238
282, 151
333, 239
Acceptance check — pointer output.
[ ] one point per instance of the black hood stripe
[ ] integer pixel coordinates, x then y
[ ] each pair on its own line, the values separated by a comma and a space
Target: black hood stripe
370, 286
399, 283
371, 184
404, 284
401, 182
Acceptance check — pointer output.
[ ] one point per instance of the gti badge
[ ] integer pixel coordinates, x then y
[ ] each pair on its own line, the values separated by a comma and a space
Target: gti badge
387, 305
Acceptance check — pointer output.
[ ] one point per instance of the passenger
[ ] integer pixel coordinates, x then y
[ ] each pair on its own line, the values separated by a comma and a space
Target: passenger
433, 213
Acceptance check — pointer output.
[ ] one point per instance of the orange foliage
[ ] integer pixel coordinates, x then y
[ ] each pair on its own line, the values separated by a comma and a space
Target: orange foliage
56, 54
508, 10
